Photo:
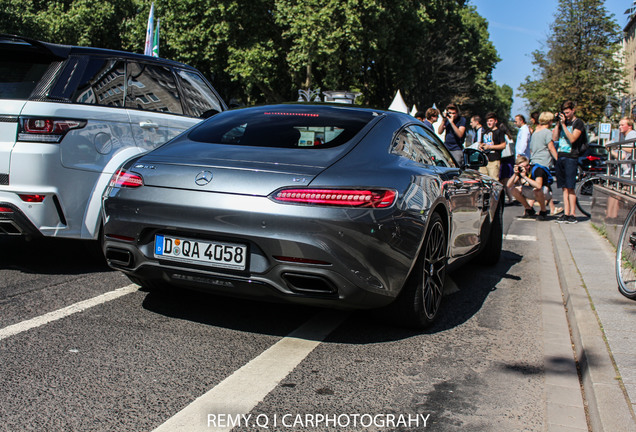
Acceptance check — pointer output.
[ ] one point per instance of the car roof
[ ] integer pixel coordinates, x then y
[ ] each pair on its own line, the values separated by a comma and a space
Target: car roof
61, 52
319, 106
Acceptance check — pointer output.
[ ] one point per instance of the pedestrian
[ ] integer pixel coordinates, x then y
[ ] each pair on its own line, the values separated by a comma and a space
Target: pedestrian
627, 132
534, 120
455, 127
493, 143
477, 131
428, 118
571, 136
530, 182
507, 161
523, 137
542, 150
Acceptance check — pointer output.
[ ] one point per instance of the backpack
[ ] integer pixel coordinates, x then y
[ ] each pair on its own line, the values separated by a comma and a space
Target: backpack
546, 169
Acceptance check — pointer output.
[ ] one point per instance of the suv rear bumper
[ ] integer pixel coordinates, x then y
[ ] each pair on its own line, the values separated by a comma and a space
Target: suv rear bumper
14, 222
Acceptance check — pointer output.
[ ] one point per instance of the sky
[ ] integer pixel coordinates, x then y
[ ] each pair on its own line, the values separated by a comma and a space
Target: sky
519, 27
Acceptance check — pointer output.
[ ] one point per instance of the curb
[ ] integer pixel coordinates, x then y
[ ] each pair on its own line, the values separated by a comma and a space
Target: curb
607, 407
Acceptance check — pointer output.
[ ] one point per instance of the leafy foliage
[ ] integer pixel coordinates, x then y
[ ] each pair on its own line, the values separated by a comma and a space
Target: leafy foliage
580, 63
434, 51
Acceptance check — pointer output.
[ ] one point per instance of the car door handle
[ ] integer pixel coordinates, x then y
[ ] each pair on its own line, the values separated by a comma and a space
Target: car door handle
148, 125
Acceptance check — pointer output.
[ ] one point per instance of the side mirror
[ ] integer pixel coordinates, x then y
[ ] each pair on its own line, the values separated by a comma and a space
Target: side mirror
474, 158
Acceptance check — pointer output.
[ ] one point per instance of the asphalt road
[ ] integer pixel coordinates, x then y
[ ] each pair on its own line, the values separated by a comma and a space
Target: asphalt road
133, 362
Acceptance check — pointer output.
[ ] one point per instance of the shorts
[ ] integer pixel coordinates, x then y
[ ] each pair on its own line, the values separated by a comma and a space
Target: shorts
492, 169
566, 169
528, 193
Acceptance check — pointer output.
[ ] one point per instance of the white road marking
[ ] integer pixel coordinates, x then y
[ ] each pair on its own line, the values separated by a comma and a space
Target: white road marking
519, 237
239, 393
64, 312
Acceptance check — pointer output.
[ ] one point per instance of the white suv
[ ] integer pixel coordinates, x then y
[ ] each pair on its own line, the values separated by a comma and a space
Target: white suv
70, 116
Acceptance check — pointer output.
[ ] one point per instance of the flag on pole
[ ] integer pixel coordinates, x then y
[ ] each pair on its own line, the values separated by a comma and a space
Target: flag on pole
155, 42
149, 28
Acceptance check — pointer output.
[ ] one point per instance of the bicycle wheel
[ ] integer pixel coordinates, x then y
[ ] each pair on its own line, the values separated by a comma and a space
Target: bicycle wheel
626, 257
583, 193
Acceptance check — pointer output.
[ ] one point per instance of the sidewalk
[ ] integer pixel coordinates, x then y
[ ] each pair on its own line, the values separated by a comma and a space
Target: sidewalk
602, 324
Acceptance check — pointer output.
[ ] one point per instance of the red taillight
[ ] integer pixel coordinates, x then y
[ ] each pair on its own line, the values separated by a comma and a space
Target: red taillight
126, 179
338, 197
6, 210
32, 198
46, 130
593, 158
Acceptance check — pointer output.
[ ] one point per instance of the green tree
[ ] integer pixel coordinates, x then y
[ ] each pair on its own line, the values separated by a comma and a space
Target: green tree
78, 22
580, 63
434, 51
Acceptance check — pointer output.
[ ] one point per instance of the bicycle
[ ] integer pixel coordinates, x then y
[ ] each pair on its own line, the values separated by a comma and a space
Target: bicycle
584, 189
626, 257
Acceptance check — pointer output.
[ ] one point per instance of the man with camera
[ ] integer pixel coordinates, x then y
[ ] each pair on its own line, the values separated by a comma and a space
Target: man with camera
570, 135
530, 182
455, 127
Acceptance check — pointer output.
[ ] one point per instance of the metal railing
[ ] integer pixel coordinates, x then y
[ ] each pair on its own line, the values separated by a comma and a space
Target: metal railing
620, 175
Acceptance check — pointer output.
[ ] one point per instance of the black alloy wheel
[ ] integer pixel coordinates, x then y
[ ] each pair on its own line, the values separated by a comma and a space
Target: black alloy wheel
419, 302
433, 271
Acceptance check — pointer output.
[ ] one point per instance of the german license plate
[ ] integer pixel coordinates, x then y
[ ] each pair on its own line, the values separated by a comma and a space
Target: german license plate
216, 254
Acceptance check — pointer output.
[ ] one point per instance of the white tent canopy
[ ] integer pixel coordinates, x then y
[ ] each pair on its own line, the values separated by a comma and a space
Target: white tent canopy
398, 104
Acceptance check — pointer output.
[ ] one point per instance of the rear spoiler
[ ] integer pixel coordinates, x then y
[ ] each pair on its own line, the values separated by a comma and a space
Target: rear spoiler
56, 51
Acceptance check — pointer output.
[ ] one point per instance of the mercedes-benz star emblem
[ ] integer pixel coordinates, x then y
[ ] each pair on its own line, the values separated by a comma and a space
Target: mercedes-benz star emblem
203, 178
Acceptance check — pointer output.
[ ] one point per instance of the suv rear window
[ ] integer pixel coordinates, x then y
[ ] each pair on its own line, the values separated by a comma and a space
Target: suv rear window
19, 74
287, 127
102, 83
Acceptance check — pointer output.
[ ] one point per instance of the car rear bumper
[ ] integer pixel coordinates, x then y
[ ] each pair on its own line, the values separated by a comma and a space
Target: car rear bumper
357, 258
323, 288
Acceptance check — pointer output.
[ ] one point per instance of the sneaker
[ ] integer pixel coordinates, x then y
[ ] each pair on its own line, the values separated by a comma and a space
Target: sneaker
529, 214
543, 215
571, 220
561, 219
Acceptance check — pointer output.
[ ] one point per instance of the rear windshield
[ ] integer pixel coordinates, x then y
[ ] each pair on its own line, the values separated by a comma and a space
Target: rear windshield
20, 73
294, 126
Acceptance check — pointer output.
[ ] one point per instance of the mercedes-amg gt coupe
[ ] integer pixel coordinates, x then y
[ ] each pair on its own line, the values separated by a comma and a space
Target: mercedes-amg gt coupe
327, 205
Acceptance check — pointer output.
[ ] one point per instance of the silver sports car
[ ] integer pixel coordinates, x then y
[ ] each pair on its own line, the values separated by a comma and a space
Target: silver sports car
325, 205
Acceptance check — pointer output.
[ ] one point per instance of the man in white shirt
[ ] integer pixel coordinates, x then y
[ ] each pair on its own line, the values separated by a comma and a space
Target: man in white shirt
478, 131
522, 146
627, 132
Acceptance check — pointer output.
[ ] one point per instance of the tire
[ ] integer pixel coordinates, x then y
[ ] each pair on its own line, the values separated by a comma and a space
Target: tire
626, 257
491, 251
584, 189
580, 174
418, 304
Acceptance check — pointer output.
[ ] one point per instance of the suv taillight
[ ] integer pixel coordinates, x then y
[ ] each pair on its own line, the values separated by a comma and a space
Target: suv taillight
46, 130
122, 178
